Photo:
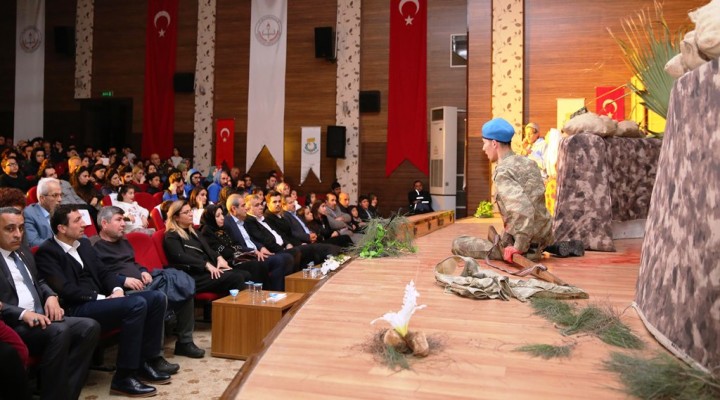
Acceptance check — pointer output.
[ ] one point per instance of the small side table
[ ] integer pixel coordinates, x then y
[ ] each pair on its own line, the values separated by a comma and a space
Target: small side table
239, 326
297, 284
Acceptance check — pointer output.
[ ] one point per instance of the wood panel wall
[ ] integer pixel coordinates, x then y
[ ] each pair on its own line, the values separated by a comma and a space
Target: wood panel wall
568, 53
445, 87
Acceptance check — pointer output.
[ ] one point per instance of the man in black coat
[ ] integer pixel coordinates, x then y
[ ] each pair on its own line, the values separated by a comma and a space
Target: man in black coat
279, 265
419, 200
71, 267
31, 308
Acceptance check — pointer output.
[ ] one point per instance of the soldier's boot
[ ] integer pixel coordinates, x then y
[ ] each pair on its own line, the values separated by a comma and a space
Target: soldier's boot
496, 251
470, 246
577, 248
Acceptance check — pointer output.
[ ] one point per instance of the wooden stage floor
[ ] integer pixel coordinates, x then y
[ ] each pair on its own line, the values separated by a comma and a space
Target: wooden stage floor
318, 353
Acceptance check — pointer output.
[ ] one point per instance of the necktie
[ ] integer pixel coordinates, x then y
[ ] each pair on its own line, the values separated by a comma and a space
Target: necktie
28, 282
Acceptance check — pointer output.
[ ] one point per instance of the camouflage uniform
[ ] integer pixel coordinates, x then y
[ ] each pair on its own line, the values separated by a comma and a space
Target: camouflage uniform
521, 201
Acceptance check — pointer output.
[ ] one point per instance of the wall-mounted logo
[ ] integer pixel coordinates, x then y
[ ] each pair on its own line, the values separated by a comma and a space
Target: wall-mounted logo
268, 30
30, 39
311, 147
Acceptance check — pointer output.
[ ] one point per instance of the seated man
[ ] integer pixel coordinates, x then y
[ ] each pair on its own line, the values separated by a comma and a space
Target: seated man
419, 199
278, 265
71, 267
259, 230
37, 216
276, 220
118, 255
31, 308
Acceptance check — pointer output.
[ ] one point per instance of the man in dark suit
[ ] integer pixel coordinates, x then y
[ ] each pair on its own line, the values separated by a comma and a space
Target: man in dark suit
279, 265
31, 308
275, 218
261, 232
71, 267
419, 200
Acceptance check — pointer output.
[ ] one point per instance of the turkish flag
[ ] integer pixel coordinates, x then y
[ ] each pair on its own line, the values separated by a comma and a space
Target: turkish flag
159, 105
610, 101
407, 103
225, 142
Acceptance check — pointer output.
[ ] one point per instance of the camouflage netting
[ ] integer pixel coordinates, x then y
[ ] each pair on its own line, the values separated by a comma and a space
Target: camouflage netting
678, 289
601, 180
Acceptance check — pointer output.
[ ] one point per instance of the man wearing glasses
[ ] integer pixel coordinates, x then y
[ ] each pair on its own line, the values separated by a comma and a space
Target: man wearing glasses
37, 216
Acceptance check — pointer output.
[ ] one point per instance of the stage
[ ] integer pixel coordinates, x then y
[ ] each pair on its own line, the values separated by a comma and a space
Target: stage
318, 353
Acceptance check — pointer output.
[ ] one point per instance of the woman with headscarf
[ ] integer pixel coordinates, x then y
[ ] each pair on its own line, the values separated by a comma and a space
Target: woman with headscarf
219, 240
185, 250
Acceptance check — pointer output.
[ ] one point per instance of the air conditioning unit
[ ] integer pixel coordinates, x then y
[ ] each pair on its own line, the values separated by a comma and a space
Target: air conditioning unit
443, 157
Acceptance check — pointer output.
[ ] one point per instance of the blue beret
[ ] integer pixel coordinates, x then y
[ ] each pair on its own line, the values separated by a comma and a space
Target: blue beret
498, 129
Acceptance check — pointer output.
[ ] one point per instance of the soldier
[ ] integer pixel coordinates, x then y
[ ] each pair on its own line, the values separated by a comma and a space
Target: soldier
520, 198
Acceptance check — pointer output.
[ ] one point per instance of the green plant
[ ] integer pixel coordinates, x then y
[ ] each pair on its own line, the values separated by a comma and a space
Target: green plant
663, 377
648, 45
385, 238
484, 210
546, 351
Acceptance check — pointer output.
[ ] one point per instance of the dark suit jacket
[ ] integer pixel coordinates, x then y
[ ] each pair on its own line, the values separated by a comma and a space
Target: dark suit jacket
62, 273
232, 228
260, 234
8, 293
295, 227
282, 227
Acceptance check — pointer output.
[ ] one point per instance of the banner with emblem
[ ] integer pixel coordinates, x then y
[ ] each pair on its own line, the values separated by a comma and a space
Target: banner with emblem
310, 159
266, 88
159, 100
225, 142
407, 132
610, 101
29, 69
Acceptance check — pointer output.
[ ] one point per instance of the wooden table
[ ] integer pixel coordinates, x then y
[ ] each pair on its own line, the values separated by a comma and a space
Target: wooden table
297, 284
239, 326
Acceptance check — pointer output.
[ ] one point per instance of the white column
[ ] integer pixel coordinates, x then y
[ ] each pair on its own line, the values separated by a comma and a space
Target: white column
347, 104
204, 86
85, 16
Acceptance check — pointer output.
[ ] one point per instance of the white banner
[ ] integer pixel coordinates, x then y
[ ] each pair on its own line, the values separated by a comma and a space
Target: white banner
266, 92
310, 160
29, 69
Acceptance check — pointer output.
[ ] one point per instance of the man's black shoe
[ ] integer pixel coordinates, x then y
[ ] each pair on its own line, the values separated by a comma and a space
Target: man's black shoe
189, 350
131, 387
149, 374
160, 364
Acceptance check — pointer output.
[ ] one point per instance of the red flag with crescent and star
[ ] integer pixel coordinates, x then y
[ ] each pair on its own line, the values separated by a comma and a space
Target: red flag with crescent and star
225, 142
159, 100
407, 134
610, 101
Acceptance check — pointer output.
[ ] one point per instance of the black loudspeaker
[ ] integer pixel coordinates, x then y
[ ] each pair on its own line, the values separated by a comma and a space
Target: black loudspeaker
184, 82
65, 40
369, 101
324, 42
335, 141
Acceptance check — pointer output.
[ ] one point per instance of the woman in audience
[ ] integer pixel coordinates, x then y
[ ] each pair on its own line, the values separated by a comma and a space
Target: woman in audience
31, 166
185, 250
136, 217
224, 194
112, 183
373, 204
310, 199
294, 195
317, 221
176, 158
83, 186
219, 240
198, 201
97, 174
356, 223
